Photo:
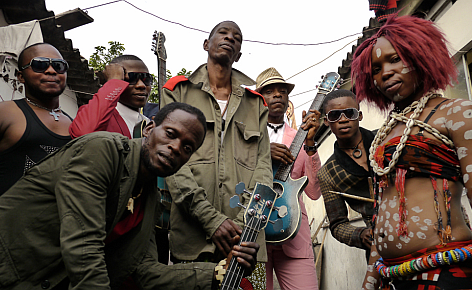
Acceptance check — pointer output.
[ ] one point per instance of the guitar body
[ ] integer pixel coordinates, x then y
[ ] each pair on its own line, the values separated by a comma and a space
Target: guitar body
286, 217
289, 211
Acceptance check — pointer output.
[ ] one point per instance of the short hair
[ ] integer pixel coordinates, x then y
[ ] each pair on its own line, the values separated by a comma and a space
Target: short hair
22, 53
212, 32
162, 114
124, 57
337, 94
420, 45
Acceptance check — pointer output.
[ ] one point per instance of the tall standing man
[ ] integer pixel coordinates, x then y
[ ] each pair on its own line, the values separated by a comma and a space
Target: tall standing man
347, 170
292, 261
236, 148
83, 218
35, 126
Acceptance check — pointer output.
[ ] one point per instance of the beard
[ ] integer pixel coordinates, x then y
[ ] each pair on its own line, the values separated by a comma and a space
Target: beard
146, 160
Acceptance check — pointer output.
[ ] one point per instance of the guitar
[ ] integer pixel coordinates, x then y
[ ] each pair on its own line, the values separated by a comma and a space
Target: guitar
158, 39
255, 219
287, 215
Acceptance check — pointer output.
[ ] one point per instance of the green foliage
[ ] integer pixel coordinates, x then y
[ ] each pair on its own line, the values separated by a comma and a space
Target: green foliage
102, 56
154, 95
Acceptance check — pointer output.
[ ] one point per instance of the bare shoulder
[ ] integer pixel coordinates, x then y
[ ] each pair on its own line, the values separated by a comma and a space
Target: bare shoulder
452, 115
10, 113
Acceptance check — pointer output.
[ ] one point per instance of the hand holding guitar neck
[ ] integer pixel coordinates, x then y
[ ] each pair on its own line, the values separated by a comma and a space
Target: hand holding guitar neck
311, 123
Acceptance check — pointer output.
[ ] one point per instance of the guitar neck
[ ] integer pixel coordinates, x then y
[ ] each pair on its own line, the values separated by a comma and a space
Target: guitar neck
284, 170
234, 272
161, 77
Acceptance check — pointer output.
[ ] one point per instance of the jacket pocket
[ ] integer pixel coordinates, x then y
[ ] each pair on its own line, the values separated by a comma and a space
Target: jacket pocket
246, 145
8, 272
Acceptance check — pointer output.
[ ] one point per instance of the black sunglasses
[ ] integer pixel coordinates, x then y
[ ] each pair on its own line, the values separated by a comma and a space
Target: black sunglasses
133, 78
350, 113
41, 64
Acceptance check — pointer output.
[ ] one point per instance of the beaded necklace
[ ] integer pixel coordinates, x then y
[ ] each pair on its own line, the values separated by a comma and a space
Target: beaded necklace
376, 162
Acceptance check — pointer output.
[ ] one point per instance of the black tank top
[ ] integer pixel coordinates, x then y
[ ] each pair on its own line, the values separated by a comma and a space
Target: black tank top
35, 144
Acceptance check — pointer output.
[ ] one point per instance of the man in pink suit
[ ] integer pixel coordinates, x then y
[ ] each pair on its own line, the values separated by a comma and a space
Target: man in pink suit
115, 107
293, 261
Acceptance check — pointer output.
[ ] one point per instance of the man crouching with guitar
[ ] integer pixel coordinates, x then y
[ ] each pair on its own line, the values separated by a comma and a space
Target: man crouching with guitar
293, 261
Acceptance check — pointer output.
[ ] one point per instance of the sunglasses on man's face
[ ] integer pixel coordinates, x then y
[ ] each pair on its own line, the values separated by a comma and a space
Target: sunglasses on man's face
335, 115
41, 64
133, 78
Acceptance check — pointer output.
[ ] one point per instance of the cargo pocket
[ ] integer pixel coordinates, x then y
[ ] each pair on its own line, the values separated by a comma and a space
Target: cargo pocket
8, 273
246, 145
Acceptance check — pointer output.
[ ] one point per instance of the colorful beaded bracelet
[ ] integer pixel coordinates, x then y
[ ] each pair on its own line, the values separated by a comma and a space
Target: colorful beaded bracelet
424, 263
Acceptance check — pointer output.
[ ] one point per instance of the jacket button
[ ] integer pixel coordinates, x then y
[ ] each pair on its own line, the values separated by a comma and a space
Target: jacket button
217, 107
126, 146
45, 284
220, 185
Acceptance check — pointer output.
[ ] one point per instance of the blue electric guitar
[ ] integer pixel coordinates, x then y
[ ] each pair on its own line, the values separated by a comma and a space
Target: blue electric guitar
256, 217
286, 218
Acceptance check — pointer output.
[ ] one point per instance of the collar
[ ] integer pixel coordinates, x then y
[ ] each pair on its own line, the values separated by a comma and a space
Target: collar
346, 162
238, 80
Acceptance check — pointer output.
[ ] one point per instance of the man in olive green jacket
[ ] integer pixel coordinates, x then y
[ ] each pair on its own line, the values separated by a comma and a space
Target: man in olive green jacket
83, 218
236, 148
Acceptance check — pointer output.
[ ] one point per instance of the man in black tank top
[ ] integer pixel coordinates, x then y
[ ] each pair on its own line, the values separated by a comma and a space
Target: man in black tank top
33, 127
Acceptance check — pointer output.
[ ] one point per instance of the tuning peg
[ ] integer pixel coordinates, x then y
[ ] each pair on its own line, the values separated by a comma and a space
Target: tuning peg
240, 188
234, 202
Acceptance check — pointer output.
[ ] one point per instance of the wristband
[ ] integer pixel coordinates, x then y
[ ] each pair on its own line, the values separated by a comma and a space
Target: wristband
313, 148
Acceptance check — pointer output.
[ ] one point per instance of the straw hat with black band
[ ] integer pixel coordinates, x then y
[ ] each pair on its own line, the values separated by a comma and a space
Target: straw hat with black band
271, 76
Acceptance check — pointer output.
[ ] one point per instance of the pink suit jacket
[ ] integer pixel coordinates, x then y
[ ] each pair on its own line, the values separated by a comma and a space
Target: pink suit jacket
301, 246
100, 113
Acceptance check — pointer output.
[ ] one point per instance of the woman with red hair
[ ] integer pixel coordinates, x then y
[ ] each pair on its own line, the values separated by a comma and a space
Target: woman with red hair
420, 157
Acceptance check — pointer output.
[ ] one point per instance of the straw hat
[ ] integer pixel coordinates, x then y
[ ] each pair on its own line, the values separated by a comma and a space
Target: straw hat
271, 76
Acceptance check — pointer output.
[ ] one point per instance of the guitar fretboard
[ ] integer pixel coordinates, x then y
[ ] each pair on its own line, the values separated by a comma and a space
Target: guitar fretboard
234, 272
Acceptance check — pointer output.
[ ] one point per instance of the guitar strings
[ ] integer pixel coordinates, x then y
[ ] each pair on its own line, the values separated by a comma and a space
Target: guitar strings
249, 234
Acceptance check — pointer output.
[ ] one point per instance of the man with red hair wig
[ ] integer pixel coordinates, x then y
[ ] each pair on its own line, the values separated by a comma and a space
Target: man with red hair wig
421, 159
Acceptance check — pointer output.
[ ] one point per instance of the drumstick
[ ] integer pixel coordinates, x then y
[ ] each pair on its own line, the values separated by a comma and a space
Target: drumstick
353, 196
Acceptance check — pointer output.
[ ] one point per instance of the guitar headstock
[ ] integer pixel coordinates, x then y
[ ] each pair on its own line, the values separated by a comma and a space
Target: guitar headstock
260, 205
158, 39
329, 82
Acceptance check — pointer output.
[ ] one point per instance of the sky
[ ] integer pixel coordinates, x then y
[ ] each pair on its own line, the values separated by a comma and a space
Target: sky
293, 22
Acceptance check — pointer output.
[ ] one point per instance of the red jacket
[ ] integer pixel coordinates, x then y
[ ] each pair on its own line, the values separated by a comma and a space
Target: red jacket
100, 113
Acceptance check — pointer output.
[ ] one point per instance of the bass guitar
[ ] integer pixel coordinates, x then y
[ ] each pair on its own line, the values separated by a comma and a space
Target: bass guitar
286, 218
256, 216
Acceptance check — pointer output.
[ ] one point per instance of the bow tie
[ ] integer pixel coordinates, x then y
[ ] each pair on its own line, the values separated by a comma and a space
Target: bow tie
275, 128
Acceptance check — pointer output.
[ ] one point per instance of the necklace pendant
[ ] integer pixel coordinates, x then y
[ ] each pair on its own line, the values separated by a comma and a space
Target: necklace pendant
357, 153
55, 115
130, 205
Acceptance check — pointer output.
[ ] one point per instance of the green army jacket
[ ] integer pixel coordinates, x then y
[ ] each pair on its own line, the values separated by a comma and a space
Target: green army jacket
54, 221
240, 151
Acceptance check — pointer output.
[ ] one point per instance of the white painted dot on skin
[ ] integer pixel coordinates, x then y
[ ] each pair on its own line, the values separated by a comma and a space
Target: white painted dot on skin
374, 254
392, 203
387, 215
449, 104
396, 217
398, 98
428, 222
449, 111
457, 125
440, 121
380, 247
383, 206
417, 209
456, 109
385, 245
390, 238
449, 124
424, 228
378, 52
465, 103
381, 219
376, 231
387, 223
375, 83
421, 235
467, 114
457, 100
405, 70
390, 228
468, 168
465, 178
370, 268
443, 107
415, 218
411, 234
468, 135
404, 239
369, 286
384, 201
399, 246
379, 239
461, 152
